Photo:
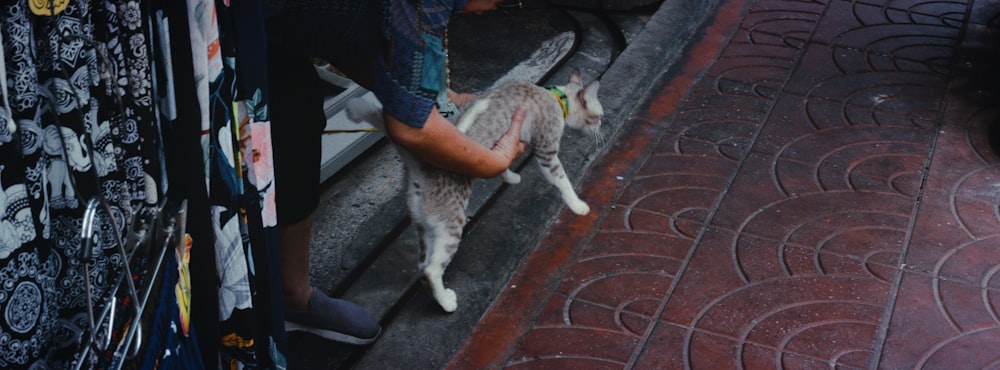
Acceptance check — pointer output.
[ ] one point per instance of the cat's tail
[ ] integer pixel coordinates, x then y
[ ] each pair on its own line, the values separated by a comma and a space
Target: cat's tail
361, 110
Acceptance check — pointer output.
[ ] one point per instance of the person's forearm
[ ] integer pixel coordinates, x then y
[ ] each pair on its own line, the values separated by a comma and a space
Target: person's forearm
440, 144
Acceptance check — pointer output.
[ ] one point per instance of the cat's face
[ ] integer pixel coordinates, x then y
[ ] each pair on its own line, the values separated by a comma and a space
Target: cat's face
588, 110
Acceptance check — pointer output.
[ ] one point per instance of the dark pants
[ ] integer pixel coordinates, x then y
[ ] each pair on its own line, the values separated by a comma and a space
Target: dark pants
346, 33
297, 122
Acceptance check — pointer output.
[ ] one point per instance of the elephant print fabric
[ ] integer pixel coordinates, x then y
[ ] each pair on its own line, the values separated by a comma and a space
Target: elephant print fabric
76, 122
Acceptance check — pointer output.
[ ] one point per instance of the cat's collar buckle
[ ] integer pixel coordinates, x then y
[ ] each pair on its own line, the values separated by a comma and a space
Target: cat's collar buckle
563, 101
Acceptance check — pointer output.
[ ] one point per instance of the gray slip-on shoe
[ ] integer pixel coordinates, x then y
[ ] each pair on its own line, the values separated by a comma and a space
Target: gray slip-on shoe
333, 319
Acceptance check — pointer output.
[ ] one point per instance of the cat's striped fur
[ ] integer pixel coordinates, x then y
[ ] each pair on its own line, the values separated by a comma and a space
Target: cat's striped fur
437, 199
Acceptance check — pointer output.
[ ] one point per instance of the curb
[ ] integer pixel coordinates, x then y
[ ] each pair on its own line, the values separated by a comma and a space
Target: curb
652, 54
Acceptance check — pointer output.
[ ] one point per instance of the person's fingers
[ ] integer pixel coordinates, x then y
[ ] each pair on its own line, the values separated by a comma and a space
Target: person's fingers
461, 99
510, 144
517, 121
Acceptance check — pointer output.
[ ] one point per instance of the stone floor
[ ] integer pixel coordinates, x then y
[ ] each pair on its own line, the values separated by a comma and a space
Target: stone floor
814, 187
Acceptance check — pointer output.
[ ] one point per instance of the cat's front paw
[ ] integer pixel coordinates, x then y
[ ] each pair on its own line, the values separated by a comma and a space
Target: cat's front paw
579, 207
447, 299
511, 177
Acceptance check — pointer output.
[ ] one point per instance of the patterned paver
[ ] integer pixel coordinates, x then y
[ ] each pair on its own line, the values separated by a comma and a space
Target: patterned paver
814, 189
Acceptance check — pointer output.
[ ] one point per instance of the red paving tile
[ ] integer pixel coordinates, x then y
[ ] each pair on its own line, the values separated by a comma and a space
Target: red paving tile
824, 195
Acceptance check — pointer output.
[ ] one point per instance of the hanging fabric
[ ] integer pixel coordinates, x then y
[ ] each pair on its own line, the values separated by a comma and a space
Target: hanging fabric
227, 42
7, 125
82, 130
79, 123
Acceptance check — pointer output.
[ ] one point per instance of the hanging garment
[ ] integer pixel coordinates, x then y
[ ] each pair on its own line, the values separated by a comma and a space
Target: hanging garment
171, 344
78, 122
82, 130
227, 42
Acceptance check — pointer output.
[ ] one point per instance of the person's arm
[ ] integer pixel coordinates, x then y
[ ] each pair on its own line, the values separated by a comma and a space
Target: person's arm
441, 145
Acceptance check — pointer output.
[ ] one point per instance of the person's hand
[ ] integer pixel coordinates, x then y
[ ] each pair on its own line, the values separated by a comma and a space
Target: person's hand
460, 99
510, 145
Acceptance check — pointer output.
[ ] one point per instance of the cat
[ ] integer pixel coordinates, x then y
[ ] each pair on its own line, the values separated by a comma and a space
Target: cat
437, 199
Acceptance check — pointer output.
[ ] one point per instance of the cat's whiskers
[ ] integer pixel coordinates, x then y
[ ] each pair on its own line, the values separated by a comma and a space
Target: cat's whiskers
600, 138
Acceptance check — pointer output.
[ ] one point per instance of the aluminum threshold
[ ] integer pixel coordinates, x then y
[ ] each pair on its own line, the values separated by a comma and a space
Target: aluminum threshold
344, 140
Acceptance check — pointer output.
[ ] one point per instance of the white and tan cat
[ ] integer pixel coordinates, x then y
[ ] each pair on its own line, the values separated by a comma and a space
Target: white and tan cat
437, 199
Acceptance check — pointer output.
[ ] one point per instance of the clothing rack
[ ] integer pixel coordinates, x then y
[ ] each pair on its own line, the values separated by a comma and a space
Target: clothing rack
149, 238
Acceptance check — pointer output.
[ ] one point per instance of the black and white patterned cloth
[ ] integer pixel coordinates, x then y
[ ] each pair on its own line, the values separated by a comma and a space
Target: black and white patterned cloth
76, 122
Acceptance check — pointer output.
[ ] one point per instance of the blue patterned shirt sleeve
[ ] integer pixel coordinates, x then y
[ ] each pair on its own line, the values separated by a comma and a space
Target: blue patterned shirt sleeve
412, 76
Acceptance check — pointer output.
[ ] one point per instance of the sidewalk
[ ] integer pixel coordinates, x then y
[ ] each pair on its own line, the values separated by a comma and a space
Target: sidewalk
812, 187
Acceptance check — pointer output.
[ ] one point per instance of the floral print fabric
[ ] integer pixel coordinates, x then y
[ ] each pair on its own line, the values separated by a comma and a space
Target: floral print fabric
236, 144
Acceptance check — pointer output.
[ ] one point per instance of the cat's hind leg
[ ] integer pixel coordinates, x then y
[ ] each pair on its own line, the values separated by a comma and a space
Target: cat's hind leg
553, 170
441, 224
424, 206
440, 244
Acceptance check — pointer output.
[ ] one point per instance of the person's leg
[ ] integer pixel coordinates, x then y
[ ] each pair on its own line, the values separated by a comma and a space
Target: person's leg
295, 241
297, 122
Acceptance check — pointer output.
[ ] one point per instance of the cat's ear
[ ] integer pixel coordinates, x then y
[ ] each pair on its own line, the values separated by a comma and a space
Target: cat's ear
576, 77
589, 93
591, 89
